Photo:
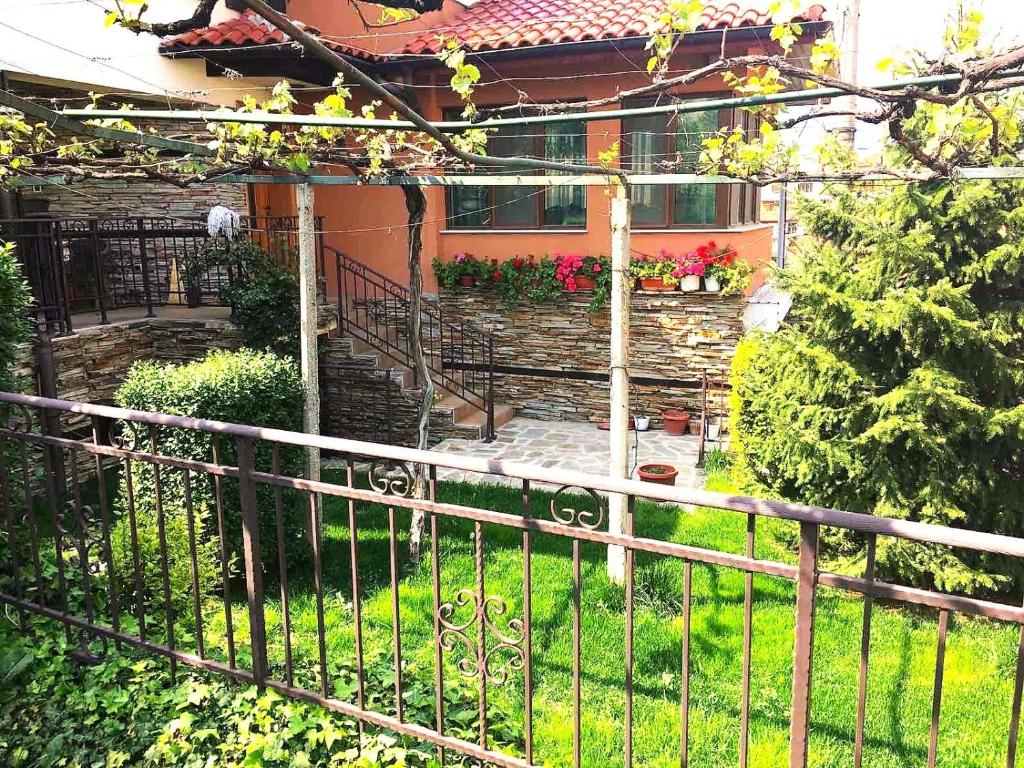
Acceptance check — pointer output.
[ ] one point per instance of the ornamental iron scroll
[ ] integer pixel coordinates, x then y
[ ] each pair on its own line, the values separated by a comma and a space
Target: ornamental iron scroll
590, 519
125, 435
482, 661
79, 523
390, 477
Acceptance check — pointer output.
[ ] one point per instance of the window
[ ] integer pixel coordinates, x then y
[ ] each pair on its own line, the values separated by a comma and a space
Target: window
650, 141
519, 207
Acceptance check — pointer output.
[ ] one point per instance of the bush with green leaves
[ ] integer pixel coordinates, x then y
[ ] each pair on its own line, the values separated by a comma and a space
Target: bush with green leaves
897, 388
262, 293
15, 300
245, 387
128, 711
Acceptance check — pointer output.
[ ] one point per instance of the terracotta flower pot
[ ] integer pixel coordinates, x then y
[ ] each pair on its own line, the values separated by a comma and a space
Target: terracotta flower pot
662, 474
467, 281
585, 283
655, 284
675, 421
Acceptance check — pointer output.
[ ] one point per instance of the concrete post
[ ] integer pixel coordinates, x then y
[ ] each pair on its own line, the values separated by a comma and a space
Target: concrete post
307, 323
619, 374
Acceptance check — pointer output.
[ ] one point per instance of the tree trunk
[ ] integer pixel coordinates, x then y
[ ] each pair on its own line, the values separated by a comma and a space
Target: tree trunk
416, 204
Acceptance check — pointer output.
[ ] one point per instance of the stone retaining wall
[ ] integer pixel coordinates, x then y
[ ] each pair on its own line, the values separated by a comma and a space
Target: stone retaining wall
673, 335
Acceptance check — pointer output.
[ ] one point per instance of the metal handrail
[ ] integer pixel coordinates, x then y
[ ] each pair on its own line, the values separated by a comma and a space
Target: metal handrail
375, 309
804, 513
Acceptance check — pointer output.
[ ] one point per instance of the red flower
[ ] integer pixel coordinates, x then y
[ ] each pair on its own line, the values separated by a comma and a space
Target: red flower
597, 267
517, 263
712, 246
496, 276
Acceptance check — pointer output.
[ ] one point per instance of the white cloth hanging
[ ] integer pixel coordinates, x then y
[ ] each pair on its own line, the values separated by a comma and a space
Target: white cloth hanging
223, 221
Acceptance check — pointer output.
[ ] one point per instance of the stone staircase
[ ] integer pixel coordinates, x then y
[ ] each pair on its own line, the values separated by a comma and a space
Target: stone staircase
451, 415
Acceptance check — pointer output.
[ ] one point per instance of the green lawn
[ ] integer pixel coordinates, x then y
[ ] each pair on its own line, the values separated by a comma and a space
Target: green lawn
980, 655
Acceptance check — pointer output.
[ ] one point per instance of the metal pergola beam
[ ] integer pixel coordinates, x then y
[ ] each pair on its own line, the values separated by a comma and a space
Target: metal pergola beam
456, 126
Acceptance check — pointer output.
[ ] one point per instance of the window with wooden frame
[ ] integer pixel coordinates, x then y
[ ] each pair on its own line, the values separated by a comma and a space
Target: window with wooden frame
654, 143
525, 207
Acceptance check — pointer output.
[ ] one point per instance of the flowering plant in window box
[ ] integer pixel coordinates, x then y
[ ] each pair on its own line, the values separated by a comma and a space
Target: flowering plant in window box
465, 270
656, 273
724, 270
579, 272
689, 269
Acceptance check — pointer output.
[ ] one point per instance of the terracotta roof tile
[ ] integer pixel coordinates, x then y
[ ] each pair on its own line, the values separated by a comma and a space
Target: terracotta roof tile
247, 30
495, 24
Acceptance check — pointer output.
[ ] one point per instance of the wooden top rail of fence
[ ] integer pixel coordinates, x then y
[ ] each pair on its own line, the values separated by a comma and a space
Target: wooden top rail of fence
884, 526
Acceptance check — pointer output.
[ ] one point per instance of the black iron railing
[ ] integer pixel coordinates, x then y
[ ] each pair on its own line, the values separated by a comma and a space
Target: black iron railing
97, 265
71, 554
375, 309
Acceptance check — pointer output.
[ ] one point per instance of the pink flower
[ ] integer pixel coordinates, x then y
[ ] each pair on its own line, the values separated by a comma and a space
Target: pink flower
597, 267
461, 257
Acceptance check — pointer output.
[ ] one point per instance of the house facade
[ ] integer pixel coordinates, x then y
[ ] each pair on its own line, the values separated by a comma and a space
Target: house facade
528, 51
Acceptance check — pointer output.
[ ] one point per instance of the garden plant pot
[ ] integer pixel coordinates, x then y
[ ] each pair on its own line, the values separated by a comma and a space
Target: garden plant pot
467, 281
714, 428
662, 474
689, 283
584, 283
642, 423
675, 421
694, 426
711, 284
655, 284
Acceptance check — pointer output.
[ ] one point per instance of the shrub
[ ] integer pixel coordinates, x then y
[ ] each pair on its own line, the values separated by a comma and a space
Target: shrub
262, 293
246, 387
898, 387
15, 300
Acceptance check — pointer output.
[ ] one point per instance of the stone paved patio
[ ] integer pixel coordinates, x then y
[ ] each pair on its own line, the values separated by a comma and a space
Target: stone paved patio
576, 446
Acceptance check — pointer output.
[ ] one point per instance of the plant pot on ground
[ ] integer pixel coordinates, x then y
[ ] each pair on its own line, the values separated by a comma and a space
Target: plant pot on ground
642, 423
675, 421
694, 426
662, 474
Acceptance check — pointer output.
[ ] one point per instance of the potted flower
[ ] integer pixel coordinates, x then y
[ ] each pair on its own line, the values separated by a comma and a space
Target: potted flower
663, 474
675, 421
578, 272
655, 273
689, 270
642, 423
464, 270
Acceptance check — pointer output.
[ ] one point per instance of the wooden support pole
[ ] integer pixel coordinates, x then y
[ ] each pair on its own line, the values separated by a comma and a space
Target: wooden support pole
619, 374
308, 323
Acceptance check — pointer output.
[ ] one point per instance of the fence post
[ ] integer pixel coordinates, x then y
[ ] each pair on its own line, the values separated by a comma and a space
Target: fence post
63, 290
251, 554
101, 297
489, 437
803, 651
147, 289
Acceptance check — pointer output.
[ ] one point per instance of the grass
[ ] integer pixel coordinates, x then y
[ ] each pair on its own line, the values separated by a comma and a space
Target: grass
979, 668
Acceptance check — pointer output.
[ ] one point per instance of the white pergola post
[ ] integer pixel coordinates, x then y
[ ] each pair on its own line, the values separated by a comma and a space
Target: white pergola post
308, 324
619, 375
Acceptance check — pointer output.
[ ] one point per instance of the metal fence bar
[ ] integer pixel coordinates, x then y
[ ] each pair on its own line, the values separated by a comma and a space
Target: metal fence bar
357, 614
865, 651
282, 569
527, 625
748, 631
684, 695
940, 662
800, 716
253, 562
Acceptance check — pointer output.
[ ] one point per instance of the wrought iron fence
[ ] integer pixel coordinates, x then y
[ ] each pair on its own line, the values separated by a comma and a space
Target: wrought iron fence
95, 265
127, 566
375, 309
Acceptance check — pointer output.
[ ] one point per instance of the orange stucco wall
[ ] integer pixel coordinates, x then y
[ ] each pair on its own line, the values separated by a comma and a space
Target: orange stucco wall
369, 223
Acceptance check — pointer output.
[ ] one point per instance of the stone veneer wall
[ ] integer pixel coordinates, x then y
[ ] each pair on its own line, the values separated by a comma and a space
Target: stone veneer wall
92, 363
672, 335
138, 198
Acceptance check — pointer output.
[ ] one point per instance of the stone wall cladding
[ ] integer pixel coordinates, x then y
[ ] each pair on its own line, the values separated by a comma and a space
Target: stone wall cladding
673, 335
92, 363
139, 198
